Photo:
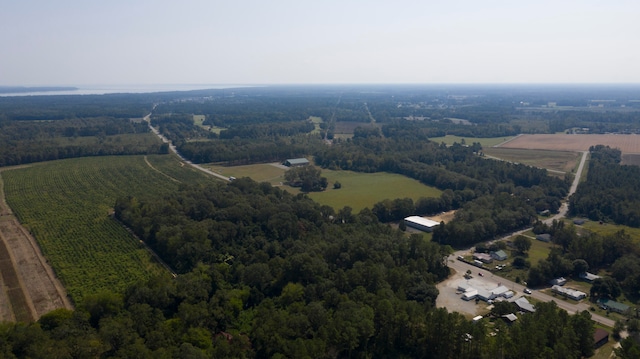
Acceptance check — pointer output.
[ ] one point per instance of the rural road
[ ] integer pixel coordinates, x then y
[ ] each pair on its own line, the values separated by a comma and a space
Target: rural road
462, 267
173, 149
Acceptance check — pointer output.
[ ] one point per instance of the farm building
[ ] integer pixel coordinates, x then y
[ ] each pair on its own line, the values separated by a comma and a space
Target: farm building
421, 223
499, 255
613, 306
524, 305
483, 257
568, 292
296, 162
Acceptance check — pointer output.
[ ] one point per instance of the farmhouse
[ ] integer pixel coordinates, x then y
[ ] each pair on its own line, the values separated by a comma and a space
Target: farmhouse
613, 306
524, 305
568, 292
483, 257
420, 223
296, 162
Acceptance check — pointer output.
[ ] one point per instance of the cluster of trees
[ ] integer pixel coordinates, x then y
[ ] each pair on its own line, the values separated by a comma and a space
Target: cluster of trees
577, 254
35, 141
308, 178
610, 192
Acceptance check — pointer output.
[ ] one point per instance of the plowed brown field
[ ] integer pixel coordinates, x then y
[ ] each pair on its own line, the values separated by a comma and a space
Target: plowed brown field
562, 142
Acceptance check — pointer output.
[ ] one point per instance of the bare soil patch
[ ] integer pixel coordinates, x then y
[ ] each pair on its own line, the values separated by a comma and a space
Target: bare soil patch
631, 159
563, 142
29, 288
444, 216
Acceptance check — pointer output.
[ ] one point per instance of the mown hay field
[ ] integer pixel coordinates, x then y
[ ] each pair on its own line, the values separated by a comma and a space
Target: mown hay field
66, 205
564, 142
360, 190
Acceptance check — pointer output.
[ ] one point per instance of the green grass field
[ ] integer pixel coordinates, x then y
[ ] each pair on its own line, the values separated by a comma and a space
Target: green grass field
360, 190
316, 123
485, 142
263, 172
66, 205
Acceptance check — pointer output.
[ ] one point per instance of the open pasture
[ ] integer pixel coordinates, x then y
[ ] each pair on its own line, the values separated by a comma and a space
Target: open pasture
360, 190
564, 142
66, 205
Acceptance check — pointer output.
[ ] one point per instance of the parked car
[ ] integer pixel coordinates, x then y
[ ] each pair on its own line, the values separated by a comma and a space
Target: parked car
480, 274
527, 291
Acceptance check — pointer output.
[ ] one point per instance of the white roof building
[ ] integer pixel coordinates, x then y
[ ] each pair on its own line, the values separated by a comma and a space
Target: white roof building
421, 223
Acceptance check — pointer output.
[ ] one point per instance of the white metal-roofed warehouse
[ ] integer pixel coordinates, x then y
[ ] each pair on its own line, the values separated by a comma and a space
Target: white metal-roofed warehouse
421, 223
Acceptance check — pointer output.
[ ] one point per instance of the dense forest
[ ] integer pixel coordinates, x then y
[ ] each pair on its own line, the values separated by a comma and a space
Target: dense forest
611, 191
268, 274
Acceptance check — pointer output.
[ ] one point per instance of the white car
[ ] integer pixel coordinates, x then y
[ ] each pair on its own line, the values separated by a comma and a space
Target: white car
527, 290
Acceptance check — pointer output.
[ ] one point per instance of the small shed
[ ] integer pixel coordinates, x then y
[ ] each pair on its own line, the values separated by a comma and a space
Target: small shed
600, 337
499, 255
589, 277
510, 318
558, 281
544, 237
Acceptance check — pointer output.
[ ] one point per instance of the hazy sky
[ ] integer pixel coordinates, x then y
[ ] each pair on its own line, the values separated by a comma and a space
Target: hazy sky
73, 42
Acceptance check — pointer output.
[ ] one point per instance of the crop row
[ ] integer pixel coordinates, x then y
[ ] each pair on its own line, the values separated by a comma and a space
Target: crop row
66, 205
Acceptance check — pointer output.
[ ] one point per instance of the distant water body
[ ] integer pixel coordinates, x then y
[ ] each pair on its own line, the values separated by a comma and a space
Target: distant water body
110, 89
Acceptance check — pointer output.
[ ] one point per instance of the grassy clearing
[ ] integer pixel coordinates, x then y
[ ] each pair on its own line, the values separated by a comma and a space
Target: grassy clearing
316, 123
607, 229
360, 190
553, 160
66, 205
198, 120
263, 172
485, 141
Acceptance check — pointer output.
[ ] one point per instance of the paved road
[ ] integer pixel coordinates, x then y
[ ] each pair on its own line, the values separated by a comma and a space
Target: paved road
462, 267
173, 149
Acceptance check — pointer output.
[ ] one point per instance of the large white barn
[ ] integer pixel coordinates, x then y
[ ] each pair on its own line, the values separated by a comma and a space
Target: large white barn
421, 223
